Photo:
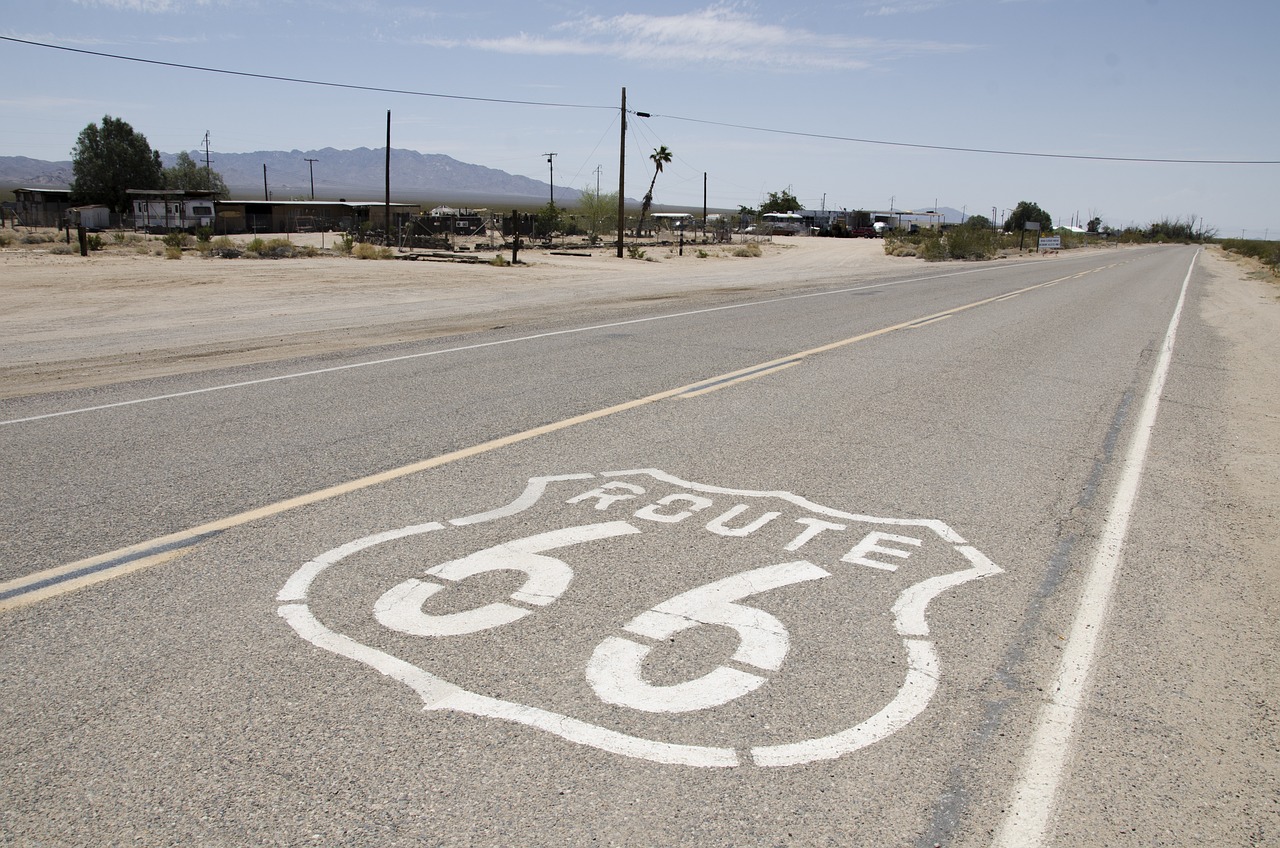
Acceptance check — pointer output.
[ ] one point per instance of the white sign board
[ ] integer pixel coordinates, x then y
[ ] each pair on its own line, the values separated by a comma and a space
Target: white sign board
1051, 242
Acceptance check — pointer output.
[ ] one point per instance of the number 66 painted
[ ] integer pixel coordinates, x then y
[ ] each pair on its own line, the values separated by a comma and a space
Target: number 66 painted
614, 670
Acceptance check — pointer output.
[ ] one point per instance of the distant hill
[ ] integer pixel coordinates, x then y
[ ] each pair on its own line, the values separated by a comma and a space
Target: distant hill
34, 173
351, 174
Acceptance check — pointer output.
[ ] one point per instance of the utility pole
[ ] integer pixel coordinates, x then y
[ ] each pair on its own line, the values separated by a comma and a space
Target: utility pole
597, 181
551, 161
265, 194
311, 166
207, 170
622, 173
387, 202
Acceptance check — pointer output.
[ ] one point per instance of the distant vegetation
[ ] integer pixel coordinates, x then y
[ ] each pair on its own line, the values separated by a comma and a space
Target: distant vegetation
1267, 252
977, 239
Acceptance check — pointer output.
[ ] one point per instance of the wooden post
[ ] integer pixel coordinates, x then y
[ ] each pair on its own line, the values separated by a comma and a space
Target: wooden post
622, 174
515, 235
387, 203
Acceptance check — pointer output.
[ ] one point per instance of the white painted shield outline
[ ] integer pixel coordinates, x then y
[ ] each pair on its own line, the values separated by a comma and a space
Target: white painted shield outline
437, 694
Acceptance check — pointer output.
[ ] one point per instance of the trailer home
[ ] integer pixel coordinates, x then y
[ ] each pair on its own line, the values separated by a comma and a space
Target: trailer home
166, 211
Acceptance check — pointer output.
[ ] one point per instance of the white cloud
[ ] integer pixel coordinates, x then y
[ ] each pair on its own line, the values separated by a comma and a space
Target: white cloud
148, 6
721, 34
904, 7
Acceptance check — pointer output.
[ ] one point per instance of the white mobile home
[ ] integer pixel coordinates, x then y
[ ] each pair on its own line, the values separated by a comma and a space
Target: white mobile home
164, 211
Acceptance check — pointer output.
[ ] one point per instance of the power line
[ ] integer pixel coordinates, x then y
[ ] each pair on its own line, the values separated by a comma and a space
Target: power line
301, 81
773, 130
973, 149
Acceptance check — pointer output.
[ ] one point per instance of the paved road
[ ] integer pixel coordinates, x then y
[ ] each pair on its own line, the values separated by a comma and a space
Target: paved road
930, 559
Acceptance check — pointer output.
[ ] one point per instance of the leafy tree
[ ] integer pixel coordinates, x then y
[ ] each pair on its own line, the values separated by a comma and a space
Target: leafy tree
1094, 225
549, 220
978, 222
748, 212
185, 174
660, 156
599, 210
109, 160
1027, 211
781, 201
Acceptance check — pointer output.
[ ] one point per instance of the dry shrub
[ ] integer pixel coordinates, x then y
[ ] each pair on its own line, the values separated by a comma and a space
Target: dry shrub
364, 250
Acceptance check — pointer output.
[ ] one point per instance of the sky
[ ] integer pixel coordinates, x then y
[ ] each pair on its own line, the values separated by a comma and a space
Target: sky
843, 103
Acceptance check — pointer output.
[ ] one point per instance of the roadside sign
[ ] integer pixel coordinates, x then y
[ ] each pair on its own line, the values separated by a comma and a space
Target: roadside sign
1051, 242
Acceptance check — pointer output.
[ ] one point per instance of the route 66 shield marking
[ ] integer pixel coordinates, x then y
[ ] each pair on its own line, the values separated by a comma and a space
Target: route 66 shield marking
651, 617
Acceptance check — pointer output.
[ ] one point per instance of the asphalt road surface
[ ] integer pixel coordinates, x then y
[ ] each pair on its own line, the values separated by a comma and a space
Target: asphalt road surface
942, 557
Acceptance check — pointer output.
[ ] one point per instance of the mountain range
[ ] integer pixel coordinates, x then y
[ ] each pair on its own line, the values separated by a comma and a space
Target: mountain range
358, 174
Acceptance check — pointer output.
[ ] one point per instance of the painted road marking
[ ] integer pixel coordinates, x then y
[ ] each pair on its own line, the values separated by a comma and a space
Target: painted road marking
1026, 824
49, 583
657, 520
481, 345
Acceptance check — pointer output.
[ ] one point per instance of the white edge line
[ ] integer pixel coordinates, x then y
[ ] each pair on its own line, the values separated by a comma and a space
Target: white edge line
1026, 823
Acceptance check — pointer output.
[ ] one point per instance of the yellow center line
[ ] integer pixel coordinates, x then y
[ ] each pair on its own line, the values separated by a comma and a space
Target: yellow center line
51, 582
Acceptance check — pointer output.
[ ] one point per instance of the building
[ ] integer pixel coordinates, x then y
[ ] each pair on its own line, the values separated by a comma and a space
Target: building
41, 207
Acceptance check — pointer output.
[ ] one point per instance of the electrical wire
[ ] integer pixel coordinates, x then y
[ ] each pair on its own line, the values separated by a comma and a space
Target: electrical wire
972, 149
747, 127
301, 81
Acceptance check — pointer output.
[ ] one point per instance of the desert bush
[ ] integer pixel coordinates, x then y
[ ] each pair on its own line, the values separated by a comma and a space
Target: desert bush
94, 241
277, 248
970, 243
344, 244
6, 239
365, 250
932, 250
62, 249
177, 239
1267, 252
635, 252
204, 235
749, 250
39, 237
499, 261
172, 252
223, 248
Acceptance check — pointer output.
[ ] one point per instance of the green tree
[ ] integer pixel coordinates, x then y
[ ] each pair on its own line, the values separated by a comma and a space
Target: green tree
660, 156
781, 201
1094, 225
598, 210
548, 220
1027, 211
978, 222
185, 174
109, 160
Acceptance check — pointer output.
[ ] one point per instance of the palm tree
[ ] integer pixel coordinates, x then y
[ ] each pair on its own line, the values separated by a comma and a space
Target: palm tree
660, 157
